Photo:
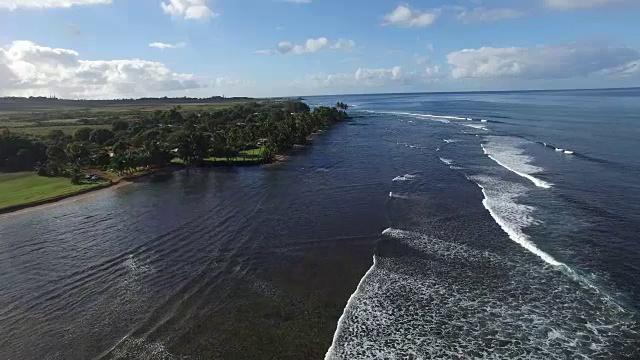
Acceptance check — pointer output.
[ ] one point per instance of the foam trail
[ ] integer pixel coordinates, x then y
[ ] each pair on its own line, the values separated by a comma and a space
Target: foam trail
516, 234
537, 182
510, 157
476, 126
504, 196
446, 161
407, 177
559, 150
568, 152
332, 349
441, 118
397, 196
449, 141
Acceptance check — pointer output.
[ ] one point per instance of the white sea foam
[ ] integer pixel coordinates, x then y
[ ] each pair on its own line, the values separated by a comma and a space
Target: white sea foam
559, 150
411, 146
568, 152
507, 153
331, 353
449, 141
407, 177
500, 199
398, 196
446, 161
135, 267
409, 307
484, 121
476, 126
440, 118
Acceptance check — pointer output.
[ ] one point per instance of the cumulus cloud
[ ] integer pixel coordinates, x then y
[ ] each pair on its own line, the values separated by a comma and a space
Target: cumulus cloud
375, 75
344, 45
481, 14
365, 78
30, 69
404, 16
163, 46
433, 71
188, 9
544, 62
588, 4
310, 46
43, 4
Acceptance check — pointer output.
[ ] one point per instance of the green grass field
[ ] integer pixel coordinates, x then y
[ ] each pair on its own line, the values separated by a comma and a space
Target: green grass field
40, 121
250, 156
27, 187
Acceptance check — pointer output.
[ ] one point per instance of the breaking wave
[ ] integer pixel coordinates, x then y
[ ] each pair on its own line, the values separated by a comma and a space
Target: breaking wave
438, 304
446, 161
507, 153
407, 177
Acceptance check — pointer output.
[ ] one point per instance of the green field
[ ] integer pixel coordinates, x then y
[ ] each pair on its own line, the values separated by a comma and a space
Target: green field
248, 156
27, 187
39, 121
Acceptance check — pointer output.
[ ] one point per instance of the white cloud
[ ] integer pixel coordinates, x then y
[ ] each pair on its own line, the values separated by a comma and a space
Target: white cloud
163, 46
310, 46
374, 75
403, 16
421, 60
30, 69
188, 9
344, 45
433, 71
544, 62
43, 4
588, 4
481, 14
266, 52
362, 78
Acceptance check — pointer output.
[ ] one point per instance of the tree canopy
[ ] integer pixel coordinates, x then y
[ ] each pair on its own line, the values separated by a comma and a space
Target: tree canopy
155, 139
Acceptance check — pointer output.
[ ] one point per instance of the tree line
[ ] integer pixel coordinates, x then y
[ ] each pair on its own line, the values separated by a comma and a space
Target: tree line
154, 140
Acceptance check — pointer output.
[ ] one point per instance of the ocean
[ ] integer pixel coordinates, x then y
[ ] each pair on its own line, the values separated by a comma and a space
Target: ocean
430, 226
553, 273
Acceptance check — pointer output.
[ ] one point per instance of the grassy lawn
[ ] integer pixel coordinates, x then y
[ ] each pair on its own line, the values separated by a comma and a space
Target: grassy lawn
252, 155
27, 187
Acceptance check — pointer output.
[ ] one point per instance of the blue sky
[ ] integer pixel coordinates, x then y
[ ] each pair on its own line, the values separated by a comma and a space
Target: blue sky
131, 48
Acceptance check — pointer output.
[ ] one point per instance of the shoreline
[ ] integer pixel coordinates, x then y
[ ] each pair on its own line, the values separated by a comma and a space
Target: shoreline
43, 204
127, 180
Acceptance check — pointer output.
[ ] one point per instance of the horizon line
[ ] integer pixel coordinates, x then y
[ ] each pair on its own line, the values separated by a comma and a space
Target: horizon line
325, 95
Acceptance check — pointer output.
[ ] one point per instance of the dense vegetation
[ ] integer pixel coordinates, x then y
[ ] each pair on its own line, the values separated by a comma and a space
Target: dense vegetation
253, 132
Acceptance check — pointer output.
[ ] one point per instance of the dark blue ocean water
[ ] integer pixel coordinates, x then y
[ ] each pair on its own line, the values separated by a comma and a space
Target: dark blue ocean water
557, 272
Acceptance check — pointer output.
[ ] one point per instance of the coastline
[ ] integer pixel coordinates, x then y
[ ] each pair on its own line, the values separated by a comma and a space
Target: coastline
127, 180
42, 204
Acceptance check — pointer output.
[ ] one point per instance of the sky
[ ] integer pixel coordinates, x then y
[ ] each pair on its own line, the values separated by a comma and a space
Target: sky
201, 48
